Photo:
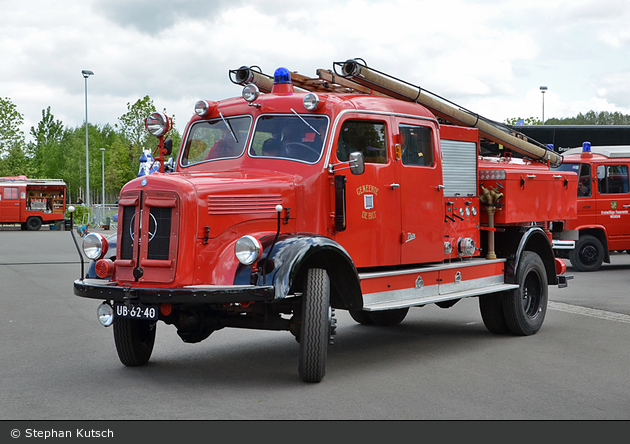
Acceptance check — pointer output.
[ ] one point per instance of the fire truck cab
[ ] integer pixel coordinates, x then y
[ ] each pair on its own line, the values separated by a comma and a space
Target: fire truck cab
31, 202
603, 194
286, 204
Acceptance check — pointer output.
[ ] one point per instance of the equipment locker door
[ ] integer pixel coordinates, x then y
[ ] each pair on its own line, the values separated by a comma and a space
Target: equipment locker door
372, 234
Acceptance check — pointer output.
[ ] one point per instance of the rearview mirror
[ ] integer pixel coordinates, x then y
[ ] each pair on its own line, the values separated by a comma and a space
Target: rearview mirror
357, 164
168, 146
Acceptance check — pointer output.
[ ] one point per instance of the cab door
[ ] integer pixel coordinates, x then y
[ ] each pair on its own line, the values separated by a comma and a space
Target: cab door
10, 204
613, 204
419, 179
372, 199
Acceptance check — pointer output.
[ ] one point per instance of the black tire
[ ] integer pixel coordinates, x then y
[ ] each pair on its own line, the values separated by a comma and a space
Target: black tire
525, 308
134, 340
588, 254
491, 307
316, 326
361, 316
33, 223
388, 318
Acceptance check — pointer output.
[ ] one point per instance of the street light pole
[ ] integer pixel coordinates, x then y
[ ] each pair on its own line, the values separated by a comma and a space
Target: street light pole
86, 73
543, 89
103, 176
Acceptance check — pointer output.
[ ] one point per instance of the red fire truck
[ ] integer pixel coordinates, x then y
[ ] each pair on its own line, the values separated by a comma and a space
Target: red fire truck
31, 202
603, 222
351, 190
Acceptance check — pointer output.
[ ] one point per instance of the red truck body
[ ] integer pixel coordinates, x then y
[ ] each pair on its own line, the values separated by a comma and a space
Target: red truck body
31, 202
286, 205
603, 218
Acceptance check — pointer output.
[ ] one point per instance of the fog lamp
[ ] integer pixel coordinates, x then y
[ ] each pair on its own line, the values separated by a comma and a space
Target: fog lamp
105, 314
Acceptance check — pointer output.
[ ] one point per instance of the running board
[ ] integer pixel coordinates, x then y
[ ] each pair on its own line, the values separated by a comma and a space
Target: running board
387, 290
402, 303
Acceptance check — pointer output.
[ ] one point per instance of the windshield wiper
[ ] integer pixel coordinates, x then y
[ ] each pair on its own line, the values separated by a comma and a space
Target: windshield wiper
228, 127
307, 124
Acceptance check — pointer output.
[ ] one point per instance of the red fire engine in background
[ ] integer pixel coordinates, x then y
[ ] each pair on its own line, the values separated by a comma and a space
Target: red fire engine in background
352, 190
603, 222
31, 202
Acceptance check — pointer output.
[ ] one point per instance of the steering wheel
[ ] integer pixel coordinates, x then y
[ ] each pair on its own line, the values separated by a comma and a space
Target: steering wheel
302, 145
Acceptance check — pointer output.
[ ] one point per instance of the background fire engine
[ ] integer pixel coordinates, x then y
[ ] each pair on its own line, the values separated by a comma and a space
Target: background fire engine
603, 222
351, 190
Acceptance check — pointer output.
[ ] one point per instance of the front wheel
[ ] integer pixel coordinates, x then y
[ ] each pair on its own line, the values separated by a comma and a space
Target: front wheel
525, 307
588, 254
134, 340
316, 327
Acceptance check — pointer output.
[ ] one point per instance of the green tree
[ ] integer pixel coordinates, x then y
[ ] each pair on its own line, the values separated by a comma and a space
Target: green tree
526, 121
132, 129
10, 121
593, 118
46, 150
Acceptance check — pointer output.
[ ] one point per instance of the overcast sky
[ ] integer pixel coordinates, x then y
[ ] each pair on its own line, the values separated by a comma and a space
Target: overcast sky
488, 56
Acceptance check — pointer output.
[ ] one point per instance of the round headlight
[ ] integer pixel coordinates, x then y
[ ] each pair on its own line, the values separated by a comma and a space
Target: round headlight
105, 314
95, 246
248, 250
250, 92
311, 101
157, 124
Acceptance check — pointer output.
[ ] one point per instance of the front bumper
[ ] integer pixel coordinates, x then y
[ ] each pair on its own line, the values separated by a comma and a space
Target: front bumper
194, 294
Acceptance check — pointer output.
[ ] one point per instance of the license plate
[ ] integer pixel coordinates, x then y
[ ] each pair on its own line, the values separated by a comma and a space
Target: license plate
136, 311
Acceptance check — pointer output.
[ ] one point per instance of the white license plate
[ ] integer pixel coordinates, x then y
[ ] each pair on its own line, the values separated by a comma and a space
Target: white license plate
135, 311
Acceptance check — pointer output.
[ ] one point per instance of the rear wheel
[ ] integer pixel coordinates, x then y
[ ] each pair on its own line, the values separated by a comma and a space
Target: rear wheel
361, 316
588, 254
525, 307
316, 327
134, 340
33, 223
491, 307
389, 317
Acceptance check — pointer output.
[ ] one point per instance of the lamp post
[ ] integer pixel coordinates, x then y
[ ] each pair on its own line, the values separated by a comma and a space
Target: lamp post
543, 89
103, 177
86, 73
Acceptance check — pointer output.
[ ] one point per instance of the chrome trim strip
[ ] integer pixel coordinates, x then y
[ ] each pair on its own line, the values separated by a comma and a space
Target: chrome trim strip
436, 267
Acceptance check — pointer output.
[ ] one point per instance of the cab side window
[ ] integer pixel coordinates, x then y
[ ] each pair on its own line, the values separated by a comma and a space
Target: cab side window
366, 136
584, 181
10, 193
417, 146
612, 179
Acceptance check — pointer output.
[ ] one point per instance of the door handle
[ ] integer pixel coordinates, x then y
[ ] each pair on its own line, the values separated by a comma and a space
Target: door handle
394, 186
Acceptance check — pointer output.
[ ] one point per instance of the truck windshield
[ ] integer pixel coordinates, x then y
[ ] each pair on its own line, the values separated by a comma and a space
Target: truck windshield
222, 138
293, 137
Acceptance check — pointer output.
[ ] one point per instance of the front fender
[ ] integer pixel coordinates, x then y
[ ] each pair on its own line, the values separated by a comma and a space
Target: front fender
293, 255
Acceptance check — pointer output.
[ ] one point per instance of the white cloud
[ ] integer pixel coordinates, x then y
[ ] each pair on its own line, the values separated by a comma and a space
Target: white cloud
487, 56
